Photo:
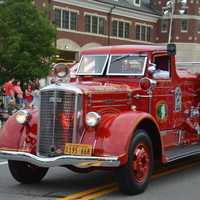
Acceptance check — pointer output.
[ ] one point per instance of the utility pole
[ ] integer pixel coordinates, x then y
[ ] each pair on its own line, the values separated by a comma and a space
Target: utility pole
169, 10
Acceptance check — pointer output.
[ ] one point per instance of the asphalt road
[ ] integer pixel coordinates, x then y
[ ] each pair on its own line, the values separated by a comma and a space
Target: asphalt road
60, 182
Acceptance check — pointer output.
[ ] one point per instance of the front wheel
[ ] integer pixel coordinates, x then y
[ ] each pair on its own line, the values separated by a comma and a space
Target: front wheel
25, 172
133, 178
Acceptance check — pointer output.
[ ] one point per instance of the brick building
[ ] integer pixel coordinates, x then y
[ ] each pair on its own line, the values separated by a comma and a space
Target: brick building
83, 24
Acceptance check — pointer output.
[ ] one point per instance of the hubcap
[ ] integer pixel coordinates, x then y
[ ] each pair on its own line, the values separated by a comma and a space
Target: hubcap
141, 162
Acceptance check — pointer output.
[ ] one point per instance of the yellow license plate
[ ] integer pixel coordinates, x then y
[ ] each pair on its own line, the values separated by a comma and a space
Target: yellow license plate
78, 149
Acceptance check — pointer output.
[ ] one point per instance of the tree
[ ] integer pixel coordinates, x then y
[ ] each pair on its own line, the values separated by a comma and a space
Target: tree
27, 41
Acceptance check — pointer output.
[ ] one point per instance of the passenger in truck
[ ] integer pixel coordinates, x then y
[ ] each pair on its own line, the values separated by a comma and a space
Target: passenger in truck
162, 66
161, 74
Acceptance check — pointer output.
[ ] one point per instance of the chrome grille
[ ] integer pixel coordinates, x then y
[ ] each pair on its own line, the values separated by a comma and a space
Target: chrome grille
57, 111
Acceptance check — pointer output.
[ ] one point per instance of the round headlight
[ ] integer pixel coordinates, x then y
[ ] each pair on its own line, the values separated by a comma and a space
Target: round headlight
92, 119
22, 116
62, 74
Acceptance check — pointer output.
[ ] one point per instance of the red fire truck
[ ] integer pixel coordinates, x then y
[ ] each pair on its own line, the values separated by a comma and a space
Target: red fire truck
128, 108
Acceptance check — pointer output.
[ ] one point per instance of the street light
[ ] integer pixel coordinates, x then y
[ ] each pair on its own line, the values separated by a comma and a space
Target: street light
169, 10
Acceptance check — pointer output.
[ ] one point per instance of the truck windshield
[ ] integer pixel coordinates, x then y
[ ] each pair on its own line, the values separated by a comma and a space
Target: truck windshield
127, 64
92, 64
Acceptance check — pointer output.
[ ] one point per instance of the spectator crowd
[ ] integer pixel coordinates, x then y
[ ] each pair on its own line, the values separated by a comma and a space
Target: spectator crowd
16, 96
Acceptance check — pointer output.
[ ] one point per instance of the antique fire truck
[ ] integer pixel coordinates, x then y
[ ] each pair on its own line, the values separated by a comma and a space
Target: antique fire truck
128, 108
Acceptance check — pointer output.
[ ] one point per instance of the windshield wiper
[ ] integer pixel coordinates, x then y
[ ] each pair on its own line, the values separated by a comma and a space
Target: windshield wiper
120, 58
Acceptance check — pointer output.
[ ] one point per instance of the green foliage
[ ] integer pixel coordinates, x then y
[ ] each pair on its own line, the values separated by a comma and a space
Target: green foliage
27, 41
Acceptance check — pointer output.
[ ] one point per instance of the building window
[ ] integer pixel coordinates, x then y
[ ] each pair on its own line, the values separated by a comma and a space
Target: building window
143, 33
184, 25
138, 32
184, 11
88, 23
66, 19
95, 24
58, 18
164, 25
127, 30
137, 2
101, 26
120, 29
114, 28
198, 26
148, 36
73, 21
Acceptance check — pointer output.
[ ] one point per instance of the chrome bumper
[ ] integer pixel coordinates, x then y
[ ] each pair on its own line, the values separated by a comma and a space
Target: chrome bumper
78, 161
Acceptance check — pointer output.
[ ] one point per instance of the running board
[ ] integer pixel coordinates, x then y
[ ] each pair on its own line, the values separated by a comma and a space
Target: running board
182, 152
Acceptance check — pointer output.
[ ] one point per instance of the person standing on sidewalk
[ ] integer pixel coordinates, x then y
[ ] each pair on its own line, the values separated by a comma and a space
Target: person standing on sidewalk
9, 93
28, 97
36, 96
18, 93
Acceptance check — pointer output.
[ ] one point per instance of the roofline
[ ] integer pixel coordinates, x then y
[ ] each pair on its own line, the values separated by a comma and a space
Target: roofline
134, 8
121, 11
137, 48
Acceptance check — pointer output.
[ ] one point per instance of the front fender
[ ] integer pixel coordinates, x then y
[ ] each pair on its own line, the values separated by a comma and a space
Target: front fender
115, 132
20, 137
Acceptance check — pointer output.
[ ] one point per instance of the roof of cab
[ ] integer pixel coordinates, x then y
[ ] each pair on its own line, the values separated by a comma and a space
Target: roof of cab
125, 49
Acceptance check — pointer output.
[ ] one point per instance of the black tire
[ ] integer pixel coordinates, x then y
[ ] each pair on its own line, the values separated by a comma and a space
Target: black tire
80, 170
128, 177
26, 173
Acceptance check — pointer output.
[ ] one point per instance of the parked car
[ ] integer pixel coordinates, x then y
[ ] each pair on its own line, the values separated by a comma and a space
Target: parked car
128, 109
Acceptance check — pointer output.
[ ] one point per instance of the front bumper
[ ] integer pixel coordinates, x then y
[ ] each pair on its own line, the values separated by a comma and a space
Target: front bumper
78, 161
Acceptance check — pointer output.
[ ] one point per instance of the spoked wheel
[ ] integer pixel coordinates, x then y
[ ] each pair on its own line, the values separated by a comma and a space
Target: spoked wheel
141, 163
133, 178
25, 172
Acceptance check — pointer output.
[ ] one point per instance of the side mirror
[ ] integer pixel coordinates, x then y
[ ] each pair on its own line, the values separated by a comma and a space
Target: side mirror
171, 49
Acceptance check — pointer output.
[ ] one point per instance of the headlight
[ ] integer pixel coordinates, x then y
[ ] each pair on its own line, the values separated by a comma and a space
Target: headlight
22, 116
62, 74
92, 119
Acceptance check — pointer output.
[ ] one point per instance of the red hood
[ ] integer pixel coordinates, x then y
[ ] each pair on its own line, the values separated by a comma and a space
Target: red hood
98, 87
87, 87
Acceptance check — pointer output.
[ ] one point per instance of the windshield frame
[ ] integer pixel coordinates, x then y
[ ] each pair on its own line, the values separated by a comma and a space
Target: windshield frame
93, 74
130, 74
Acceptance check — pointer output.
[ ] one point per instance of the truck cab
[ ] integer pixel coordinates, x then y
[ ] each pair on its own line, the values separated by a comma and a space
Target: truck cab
128, 108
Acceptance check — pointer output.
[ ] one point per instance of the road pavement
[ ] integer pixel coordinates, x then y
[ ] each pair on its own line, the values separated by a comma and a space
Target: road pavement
60, 182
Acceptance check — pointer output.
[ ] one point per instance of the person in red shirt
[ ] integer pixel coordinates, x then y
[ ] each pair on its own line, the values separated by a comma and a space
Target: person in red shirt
28, 97
8, 88
18, 93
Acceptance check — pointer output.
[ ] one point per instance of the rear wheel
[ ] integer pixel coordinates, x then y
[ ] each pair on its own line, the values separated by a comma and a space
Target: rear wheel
133, 178
25, 172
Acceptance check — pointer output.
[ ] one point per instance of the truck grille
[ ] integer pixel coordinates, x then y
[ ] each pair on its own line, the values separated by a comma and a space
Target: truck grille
57, 113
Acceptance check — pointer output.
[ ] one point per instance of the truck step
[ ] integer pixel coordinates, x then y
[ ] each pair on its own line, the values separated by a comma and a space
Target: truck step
182, 152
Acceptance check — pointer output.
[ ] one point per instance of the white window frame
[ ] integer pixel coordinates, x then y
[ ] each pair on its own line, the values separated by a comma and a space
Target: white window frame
184, 31
198, 25
124, 29
70, 11
161, 24
146, 26
137, 4
98, 19
93, 74
121, 74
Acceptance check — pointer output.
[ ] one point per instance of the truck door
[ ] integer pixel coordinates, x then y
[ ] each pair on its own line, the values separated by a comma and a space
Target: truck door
163, 97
